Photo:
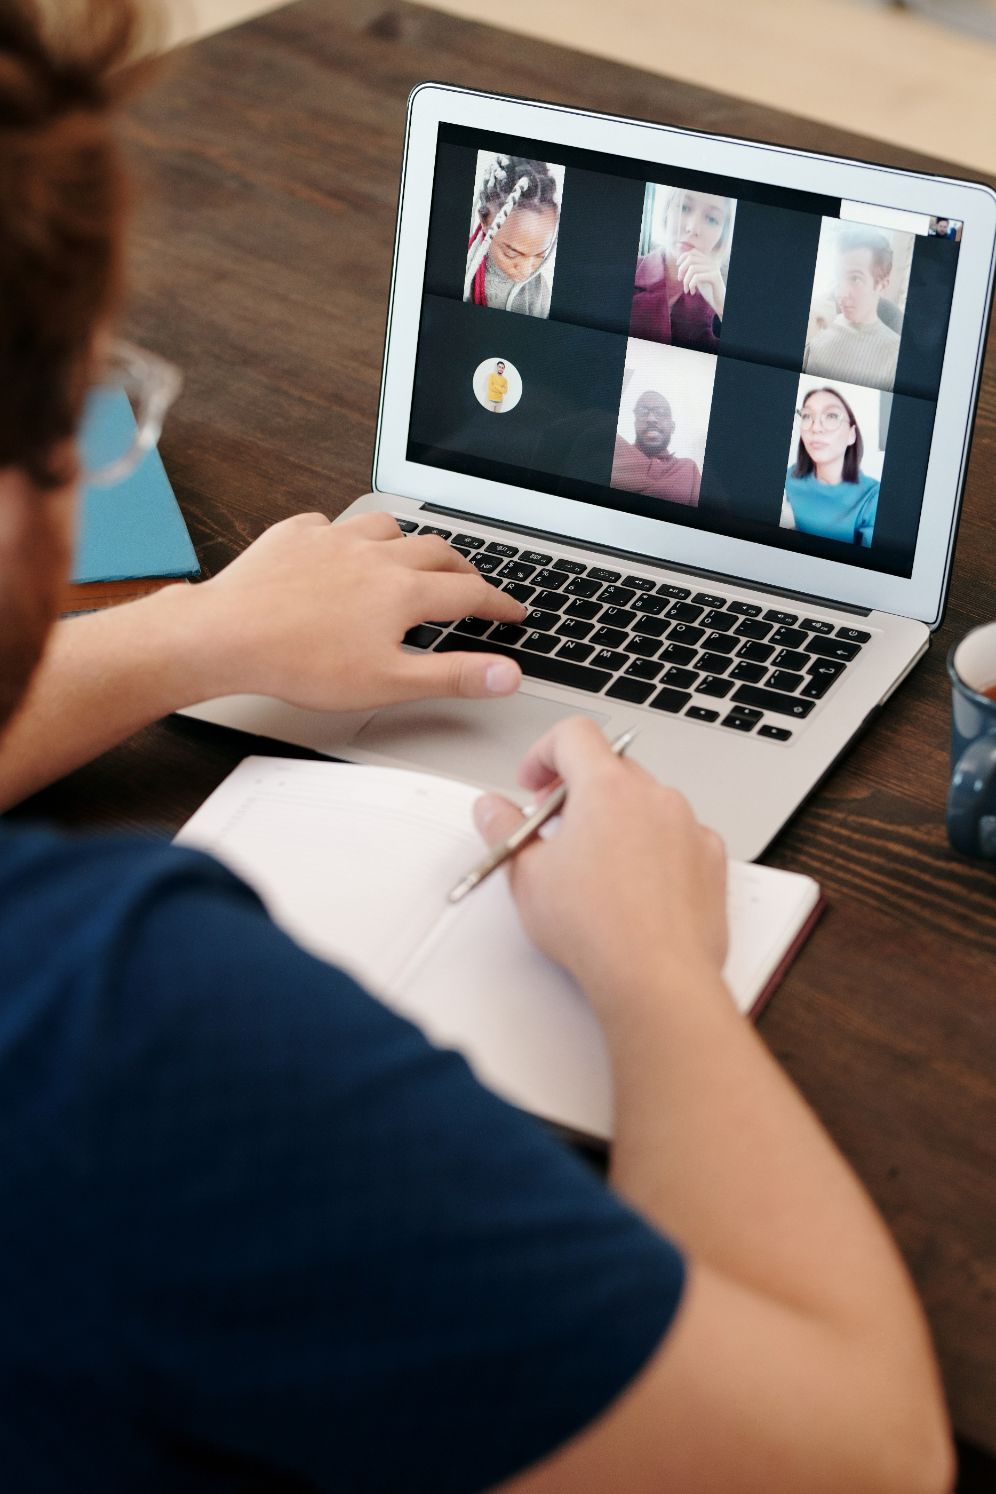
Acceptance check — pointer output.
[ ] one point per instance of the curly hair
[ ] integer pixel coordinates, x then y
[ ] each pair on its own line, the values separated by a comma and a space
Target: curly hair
64, 67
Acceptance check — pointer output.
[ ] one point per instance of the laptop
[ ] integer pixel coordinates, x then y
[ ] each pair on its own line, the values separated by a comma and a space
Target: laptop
704, 405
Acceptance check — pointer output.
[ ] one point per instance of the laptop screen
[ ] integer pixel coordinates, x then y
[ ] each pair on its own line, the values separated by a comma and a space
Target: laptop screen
741, 358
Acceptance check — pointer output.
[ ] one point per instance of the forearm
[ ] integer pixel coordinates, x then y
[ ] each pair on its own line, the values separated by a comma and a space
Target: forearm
103, 676
718, 1148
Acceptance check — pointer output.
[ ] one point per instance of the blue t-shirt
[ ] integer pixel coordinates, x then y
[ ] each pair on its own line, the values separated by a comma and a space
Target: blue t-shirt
255, 1231
836, 510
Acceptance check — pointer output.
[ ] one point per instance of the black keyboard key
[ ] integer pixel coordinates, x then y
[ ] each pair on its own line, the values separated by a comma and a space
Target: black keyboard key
816, 686
617, 617
650, 606
608, 637
541, 622
670, 700
573, 567
468, 541
643, 669
787, 619
599, 573
533, 557
722, 622
573, 627
744, 609
498, 547
681, 679
462, 550
443, 533
713, 686
757, 653
784, 679
720, 643
638, 583
677, 593
686, 633
579, 652
540, 643
685, 612
639, 643
555, 670
853, 635
656, 627
713, 663
508, 633
752, 673
549, 601
474, 627
617, 596
549, 579
771, 700
580, 607
408, 526
701, 713
739, 723
789, 658
776, 733
827, 668
583, 586
635, 691
752, 627
706, 599
610, 658
421, 636
519, 592
815, 625
789, 637
514, 570
677, 653
486, 564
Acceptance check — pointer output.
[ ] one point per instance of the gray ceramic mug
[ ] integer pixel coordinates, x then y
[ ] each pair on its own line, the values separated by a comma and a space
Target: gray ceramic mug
972, 796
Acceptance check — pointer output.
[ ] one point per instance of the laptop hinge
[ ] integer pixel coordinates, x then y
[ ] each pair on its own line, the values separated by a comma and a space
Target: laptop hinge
653, 562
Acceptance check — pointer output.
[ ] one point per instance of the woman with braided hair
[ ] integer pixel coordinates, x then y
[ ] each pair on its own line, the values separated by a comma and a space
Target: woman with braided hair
514, 237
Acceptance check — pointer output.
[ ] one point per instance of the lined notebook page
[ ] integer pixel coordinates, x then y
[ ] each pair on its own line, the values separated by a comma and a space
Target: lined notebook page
356, 862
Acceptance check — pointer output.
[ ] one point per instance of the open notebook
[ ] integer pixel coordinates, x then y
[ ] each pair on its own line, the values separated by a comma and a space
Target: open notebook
356, 863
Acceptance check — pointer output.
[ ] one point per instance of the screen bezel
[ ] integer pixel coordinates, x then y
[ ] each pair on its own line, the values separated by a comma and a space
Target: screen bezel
922, 594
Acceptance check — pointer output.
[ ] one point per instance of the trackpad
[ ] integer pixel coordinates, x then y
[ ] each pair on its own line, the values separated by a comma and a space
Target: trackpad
480, 740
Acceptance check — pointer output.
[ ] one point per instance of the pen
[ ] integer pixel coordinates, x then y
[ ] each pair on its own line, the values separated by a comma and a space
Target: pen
530, 826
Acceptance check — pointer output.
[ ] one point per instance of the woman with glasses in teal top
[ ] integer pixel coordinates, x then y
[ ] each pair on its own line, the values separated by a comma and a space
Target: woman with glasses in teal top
826, 492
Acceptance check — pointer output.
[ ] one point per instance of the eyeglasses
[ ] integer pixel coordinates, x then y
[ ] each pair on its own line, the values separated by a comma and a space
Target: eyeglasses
114, 446
829, 420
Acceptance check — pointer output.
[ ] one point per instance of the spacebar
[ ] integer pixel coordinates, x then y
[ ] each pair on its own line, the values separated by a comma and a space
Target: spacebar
537, 666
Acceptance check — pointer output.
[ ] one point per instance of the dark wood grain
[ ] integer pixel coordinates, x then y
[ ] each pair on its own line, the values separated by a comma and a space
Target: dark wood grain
269, 161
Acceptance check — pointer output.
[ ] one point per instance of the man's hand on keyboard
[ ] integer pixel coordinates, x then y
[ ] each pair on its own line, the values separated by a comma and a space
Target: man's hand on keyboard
316, 613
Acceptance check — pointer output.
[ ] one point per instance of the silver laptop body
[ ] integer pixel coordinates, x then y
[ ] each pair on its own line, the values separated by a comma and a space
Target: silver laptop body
816, 636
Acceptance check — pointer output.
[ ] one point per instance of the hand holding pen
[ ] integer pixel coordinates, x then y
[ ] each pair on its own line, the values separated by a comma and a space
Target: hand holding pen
630, 882
524, 833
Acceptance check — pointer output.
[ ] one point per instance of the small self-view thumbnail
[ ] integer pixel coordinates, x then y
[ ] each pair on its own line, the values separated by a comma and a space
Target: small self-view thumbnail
836, 455
945, 228
663, 421
679, 294
512, 248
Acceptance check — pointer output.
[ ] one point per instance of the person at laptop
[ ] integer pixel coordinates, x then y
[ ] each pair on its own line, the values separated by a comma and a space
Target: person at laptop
679, 294
825, 489
649, 467
255, 1231
858, 347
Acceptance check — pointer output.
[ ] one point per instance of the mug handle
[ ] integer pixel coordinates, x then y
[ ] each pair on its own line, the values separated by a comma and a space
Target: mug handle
970, 830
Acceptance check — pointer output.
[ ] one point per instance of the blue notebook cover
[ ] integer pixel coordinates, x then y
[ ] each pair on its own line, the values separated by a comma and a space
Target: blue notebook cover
134, 528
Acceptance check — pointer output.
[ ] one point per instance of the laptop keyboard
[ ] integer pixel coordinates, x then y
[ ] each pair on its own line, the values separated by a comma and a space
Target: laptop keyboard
712, 658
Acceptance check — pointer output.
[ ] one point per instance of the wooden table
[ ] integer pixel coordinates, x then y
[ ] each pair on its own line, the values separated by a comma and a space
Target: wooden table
269, 157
